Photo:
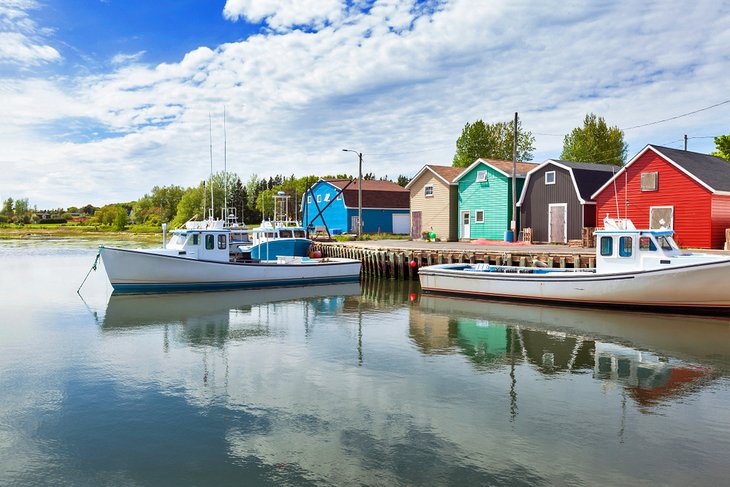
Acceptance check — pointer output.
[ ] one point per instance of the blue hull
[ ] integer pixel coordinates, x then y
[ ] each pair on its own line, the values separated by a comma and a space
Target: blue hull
291, 247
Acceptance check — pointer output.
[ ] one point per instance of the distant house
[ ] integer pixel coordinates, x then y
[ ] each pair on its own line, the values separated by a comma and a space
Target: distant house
385, 206
556, 199
662, 187
434, 197
485, 198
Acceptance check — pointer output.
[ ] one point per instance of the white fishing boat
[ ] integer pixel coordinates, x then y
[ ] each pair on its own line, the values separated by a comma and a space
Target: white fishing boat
198, 257
634, 268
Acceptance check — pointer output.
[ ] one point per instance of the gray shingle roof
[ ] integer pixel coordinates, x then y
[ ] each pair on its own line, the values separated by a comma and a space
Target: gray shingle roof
711, 170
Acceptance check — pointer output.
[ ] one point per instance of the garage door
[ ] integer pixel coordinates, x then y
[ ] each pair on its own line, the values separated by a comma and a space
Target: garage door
401, 223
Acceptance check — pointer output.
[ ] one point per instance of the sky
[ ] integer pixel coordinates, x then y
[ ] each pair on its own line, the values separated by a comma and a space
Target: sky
101, 100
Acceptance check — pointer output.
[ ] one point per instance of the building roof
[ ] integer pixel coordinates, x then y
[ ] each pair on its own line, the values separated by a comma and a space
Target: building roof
587, 177
711, 172
447, 174
375, 194
504, 167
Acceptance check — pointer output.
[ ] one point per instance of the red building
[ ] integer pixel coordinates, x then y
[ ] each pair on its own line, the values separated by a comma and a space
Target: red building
682, 190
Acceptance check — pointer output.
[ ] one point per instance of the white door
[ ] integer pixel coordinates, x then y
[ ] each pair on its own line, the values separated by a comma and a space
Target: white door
465, 224
558, 223
401, 223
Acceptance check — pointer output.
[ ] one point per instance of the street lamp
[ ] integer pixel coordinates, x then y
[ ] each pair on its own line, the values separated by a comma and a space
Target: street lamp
359, 191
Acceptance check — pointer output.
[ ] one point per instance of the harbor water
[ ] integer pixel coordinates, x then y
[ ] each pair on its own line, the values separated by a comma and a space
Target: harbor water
355, 384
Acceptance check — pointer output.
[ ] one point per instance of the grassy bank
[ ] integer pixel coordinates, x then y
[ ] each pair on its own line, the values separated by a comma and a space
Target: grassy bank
35, 231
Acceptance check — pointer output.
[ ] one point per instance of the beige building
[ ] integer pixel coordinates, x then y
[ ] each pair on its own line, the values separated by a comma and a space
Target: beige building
434, 202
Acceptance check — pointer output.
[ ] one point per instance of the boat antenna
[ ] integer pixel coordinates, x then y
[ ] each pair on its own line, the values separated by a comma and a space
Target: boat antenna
210, 137
615, 197
225, 171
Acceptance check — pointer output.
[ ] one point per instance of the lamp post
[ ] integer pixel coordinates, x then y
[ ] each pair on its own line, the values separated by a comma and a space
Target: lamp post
359, 191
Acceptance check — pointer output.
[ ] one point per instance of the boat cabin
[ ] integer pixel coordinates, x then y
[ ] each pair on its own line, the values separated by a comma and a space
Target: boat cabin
200, 244
629, 249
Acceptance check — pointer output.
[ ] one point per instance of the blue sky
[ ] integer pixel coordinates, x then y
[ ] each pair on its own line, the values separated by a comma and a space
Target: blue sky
102, 100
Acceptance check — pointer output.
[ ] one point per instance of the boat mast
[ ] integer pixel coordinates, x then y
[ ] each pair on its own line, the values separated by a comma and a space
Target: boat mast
225, 171
210, 138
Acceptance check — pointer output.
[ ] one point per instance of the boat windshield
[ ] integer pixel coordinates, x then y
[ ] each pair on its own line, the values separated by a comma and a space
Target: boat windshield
666, 242
285, 233
299, 233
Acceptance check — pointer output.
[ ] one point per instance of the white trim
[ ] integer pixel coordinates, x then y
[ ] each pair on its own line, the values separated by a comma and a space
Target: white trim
476, 218
572, 178
420, 173
657, 152
565, 223
475, 164
425, 194
671, 224
482, 176
555, 178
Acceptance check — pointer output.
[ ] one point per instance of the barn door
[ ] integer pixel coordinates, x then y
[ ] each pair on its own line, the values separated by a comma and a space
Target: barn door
661, 217
415, 224
558, 223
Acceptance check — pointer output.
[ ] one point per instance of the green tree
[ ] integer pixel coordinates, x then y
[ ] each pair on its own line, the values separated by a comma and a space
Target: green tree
120, 219
158, 206
403, 180
492, 141
190, 205
722, 143
7, 210
595, 142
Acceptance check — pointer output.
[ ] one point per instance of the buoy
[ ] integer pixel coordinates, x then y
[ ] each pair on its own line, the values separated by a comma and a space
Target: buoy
413, 296
317, 254
413, 263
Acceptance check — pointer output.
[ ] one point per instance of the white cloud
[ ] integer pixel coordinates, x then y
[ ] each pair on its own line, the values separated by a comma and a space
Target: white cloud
395, 82
21, 41
121, 58
283, 14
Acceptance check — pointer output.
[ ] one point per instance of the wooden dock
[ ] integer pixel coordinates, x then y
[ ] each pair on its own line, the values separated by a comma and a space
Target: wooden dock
392, 262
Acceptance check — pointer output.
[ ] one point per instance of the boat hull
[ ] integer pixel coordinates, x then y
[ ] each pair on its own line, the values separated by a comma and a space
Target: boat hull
137, 270
692, 288
296, 247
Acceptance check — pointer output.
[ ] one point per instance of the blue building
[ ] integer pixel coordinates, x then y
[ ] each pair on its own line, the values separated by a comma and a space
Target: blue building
385, 206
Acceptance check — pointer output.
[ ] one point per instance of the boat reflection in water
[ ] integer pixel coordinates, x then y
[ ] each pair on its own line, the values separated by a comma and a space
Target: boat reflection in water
213, 317
613, 346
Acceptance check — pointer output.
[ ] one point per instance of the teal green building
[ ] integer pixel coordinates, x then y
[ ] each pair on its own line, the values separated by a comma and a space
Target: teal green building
485, 198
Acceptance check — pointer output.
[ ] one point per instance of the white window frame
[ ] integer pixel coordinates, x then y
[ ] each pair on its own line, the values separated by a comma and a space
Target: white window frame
319, 198
339, 197
547, 180
426, 192
482, 176
664, 207
326, 197
476, 216
309, 200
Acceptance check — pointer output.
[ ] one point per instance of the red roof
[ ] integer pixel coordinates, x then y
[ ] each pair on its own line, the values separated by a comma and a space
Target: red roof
375, 194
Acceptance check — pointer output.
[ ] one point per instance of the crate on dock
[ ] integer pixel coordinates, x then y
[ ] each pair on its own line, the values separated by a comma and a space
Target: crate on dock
527, 235
588, 239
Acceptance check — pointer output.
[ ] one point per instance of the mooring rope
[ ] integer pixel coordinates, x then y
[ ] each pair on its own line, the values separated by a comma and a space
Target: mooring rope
93, 268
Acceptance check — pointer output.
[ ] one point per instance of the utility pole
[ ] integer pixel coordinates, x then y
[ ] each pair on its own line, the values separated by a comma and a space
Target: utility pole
513, 223
685, 141
359, 191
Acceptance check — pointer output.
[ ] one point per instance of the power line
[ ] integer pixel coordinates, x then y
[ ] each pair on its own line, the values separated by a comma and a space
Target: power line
678, 116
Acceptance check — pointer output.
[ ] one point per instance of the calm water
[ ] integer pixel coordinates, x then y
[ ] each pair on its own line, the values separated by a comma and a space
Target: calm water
370, 384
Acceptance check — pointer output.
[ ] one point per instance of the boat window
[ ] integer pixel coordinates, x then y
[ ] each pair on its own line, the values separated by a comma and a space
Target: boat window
299, 233
666, 242
270, 235
606, 246
646, 243
285, 233
222, 241
625, 246
209, 242
195, 239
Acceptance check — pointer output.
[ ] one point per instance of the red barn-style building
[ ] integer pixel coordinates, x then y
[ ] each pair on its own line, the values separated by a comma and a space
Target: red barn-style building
686, 191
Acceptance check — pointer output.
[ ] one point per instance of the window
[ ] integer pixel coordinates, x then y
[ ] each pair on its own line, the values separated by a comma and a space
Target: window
428, 191
195, 239
645, 243
319, 198
661, 217
479, 216
210, 242
606, 246
481, 176
550, 177
625, 246
339, 197
285, 234
649, 181
222, 242
299, 234
327, 197
309, 200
